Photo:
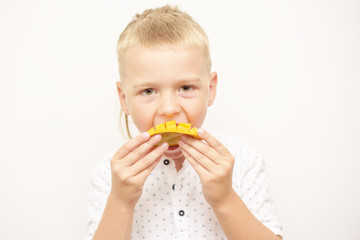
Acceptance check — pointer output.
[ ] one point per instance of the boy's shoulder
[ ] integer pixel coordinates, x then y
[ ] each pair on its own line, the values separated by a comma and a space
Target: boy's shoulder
244, 152
102, 165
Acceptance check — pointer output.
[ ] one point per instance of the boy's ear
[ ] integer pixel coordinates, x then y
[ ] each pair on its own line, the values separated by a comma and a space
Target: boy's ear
212, 87
122, 98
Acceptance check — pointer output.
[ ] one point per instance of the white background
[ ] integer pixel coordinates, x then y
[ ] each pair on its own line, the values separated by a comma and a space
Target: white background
289, 83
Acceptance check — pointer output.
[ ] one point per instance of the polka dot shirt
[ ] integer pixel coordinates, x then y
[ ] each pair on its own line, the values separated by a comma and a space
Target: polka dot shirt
172, 205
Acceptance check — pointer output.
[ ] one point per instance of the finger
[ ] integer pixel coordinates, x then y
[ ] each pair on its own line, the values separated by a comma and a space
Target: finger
203, 148
199, 169
213, 142
130, 145
141, 151
145, 162
142, 176
205, 162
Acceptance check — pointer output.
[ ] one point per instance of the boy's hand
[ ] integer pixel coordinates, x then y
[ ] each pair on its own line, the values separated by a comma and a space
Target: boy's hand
131, 165
214, 165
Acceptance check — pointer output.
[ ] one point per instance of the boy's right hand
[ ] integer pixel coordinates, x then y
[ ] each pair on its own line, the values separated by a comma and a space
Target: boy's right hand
131, 165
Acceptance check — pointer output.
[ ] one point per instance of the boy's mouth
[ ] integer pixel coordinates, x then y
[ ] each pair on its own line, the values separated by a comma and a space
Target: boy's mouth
173, 147
171, 133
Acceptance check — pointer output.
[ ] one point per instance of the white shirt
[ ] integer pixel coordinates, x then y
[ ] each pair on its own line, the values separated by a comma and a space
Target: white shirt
172, 205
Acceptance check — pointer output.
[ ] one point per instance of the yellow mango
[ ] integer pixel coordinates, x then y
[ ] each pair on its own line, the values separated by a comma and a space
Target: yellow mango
182, 129
152, 131
160, 128
171, 132
170, 126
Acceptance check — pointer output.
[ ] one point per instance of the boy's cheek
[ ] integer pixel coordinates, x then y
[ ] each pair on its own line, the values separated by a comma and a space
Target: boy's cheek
143, 118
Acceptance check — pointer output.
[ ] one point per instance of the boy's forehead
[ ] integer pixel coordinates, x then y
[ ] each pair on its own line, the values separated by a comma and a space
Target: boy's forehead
165, 60
163, 50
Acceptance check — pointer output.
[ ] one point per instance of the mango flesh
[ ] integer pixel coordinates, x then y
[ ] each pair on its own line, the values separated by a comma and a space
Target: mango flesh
171, 132
171, 138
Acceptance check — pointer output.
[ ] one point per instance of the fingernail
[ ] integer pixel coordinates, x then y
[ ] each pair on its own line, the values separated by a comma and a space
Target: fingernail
145, 135
164, 145
200, 131
157, 137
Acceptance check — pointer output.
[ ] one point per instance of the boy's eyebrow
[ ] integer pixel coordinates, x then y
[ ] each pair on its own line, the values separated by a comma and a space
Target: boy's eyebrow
188, 80
183, 81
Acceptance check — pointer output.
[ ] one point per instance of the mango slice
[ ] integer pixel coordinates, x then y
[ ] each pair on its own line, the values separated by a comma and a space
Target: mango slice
171, 132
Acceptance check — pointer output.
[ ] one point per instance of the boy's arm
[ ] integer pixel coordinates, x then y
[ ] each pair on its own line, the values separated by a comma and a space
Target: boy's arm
214, 165
106, 214
130, 167
238, 222
116, 222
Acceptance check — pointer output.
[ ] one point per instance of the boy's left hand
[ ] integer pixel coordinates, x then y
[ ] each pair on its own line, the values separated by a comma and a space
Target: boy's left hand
213, 163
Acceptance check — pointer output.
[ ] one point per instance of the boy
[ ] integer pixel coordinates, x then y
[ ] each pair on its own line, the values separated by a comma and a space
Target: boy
210, 189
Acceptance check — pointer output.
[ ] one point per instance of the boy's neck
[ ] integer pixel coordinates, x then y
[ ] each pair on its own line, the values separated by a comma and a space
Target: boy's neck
179, 163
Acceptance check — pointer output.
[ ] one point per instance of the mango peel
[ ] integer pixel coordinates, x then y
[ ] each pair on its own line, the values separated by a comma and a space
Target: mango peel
171, 132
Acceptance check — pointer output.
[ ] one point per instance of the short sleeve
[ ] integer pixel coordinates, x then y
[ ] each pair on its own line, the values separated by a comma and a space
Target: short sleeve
251, 183
99, 189
256, 194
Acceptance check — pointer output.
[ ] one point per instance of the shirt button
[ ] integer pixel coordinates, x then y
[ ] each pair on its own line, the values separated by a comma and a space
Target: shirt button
166, 162
181, 213
173, 186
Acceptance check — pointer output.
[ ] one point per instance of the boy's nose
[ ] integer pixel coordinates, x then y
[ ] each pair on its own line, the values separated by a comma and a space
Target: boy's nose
168, 106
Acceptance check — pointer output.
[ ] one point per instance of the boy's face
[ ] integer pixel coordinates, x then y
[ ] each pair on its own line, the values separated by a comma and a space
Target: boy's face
164, 84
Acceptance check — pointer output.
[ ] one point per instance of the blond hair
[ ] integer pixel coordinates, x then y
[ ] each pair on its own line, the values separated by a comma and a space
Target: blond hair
163, 26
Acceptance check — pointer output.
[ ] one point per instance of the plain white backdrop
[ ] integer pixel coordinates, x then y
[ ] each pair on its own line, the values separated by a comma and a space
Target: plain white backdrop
289, 84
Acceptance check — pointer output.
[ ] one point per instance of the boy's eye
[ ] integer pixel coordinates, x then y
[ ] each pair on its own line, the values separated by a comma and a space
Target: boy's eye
148, 91
186, 88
